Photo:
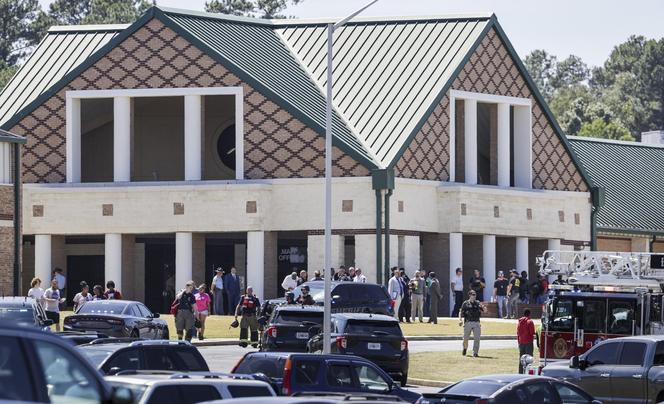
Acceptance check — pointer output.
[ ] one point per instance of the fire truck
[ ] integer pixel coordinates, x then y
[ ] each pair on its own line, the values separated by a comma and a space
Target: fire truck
596, 295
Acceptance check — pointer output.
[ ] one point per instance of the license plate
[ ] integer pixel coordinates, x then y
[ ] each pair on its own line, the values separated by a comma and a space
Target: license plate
302, 335
373, 345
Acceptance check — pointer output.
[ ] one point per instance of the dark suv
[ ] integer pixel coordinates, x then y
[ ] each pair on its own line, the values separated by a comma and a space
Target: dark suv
372, 336
23, 311
290, 327
291, 373
111, 356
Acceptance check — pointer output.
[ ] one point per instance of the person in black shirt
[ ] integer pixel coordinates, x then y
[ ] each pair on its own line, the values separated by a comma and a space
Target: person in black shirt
500, 293
560, 280
469, 318
305, 297
248, 309
523, 288
185, 317
477, 283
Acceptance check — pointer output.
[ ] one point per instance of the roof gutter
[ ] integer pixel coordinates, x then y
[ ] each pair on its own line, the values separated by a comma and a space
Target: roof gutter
382, 180
17, 219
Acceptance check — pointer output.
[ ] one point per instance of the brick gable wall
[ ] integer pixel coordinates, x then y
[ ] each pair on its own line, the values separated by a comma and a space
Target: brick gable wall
491, 70
6, 239
277, 145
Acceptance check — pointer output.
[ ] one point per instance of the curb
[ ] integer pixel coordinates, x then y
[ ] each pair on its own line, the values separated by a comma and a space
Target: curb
234, 342
428, 383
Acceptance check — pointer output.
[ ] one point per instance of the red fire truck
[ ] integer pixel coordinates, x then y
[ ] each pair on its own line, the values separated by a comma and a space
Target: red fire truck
602, 295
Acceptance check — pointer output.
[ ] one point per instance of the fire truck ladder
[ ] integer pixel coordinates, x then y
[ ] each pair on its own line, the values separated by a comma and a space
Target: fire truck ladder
620, 265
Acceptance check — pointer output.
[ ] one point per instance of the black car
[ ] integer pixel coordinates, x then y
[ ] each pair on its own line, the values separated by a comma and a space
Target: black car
290, 327
510, 389
36, 366
372, 336
347, 297
110, 356
79, 337
118, 318
296, 373
23, 311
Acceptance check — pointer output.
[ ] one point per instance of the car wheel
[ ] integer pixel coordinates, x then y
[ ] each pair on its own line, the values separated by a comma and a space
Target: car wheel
134, 334
165, 334
404, 380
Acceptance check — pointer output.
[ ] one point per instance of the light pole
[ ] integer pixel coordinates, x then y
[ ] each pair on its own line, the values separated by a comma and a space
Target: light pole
327, 314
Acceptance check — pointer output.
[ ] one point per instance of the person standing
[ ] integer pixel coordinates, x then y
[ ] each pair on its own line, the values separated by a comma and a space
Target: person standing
217, 288
359, 276
469, 318
302, 278
395, 291
185, 318
559, 280
417, 296
513, 292
248, 309
83, 296
232, 286
317, 276
500, 293
53, 301
457, 289
36, 292
435, 296
111, 292
477, 283
290, 282
62, 284
525, 332
203, 309
98, 293
305, 298
405, 309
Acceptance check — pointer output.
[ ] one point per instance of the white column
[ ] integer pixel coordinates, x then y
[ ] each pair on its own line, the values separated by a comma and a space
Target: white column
522, 254
113, 259
489, 264
121, 139
316, 250
553, 244
456, 253
470, 139
523, 150
73, 139
503, 135
239, 135
256, 262
183, 259
365, 255
43, 265
192, 137
412, 254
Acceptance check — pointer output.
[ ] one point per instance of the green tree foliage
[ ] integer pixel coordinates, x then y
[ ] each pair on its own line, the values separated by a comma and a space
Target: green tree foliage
250, 8
72, 12
600, 128
18, 19
6, 73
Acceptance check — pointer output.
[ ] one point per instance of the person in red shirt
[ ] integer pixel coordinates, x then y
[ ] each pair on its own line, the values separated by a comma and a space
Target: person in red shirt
112, 293
525, 332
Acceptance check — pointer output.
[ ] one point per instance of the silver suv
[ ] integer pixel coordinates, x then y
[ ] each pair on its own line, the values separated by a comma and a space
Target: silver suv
150, 387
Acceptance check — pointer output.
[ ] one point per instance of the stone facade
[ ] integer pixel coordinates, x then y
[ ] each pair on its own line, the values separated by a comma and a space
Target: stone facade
277, 145
491, 70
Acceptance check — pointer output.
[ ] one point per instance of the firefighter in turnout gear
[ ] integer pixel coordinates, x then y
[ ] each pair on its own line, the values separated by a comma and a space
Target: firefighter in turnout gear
248, 309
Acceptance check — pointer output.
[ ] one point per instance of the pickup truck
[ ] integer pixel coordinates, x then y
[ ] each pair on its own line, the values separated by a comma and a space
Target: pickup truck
619, 370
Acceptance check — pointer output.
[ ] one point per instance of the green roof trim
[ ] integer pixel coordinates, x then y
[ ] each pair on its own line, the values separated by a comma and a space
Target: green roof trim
633, 193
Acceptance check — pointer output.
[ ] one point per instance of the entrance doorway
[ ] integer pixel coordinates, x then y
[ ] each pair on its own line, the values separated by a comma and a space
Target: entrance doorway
159, 274
88, 268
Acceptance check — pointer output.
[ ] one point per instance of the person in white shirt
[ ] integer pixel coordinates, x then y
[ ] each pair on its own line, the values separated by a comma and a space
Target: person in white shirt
62, 283
290, 282
36, 292
457, 289
83, 296
53, 300
217, 289
359, 276
395, 290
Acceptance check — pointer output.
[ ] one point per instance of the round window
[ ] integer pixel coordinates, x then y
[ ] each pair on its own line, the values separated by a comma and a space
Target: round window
226, 147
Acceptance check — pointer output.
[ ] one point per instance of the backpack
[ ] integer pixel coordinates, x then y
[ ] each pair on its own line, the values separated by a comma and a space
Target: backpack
174, 307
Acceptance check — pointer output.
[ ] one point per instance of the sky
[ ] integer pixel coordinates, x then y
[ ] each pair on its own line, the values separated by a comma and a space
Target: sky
586, 28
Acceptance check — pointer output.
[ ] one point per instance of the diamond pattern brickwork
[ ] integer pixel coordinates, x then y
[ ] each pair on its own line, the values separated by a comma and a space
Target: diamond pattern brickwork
276, 144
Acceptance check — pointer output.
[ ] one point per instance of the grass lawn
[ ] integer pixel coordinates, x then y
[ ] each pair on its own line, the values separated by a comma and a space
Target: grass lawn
219, 327
452, 367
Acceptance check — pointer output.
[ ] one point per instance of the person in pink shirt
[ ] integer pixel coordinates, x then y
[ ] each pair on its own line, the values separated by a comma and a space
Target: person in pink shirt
203, 306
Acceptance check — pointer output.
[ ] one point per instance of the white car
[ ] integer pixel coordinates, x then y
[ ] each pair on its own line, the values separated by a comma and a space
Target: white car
155, 387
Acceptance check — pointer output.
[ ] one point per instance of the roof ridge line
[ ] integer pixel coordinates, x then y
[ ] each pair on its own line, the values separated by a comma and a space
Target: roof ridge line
615, 141
334, 106
87, 27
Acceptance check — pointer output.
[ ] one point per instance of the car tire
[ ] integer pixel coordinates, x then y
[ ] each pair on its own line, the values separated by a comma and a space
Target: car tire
404, 380
134, 334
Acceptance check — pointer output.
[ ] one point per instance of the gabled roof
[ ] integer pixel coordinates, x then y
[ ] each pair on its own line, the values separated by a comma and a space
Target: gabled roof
61, 50
632, 175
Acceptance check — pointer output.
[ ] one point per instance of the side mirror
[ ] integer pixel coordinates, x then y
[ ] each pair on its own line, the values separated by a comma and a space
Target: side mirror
574, 362
155, 315
114, 371
121, 395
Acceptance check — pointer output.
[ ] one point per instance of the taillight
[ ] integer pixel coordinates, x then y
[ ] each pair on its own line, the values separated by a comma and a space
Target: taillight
114, 322
286, 387
404, 345
342, 342
393, 303
482, 401
272, 332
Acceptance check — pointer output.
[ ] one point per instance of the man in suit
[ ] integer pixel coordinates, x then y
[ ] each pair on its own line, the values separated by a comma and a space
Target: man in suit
395, 290
435, 296
232, 287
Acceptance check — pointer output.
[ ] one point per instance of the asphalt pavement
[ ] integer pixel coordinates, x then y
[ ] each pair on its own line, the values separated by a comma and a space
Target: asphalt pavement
224, 358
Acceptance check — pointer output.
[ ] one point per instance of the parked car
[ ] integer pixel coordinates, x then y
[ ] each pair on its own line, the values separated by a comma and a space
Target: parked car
301, 372
111, 356
315, 398
118, 318
187, 388
290, 327
372, 336
509, 389
347, 297
36, 366
21, 310
629, 369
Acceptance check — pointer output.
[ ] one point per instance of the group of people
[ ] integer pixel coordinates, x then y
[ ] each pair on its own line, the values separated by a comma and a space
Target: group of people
225, 289
297, 278
415, 298
53, 298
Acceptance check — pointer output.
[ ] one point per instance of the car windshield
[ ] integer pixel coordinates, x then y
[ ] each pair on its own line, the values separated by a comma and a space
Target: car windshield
271, 366
373, 327
475, 388
137, 390
298, 317
17, 314
315, 290
102, 308
94, 355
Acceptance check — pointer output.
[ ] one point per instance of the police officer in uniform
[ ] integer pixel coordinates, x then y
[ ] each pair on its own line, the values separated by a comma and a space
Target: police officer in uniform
305, 298
248, 309
469, 318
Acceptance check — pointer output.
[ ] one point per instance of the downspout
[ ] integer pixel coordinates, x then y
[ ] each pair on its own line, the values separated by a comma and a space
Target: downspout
598, 198
17, 219
379, 236
653, 240
388, 194
382, 180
